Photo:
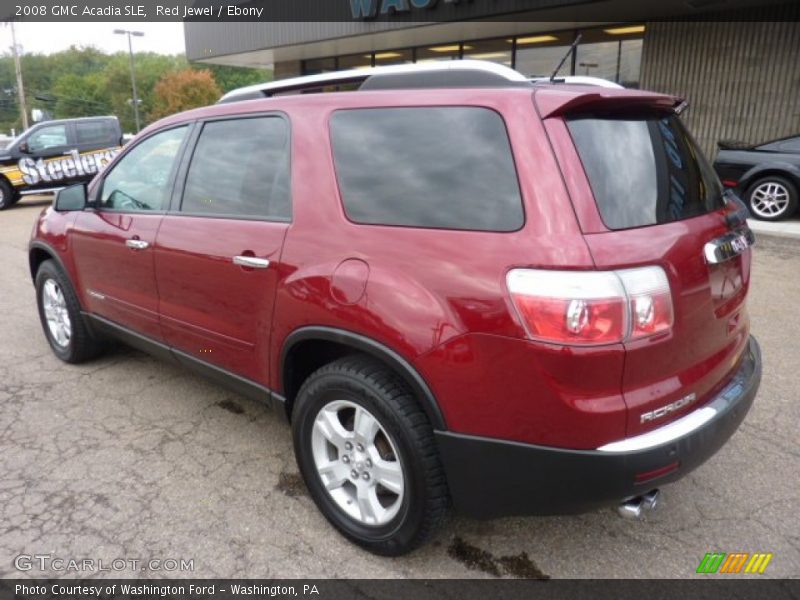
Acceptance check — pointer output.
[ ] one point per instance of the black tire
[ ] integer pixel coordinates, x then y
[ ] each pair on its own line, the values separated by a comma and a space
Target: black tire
370, 384
8, 195
790, 207
81, 345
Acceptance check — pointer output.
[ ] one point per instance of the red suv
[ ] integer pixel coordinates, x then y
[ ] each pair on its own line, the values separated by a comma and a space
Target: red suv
460, 286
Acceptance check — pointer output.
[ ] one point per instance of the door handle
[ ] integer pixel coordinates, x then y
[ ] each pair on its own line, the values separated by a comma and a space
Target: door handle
137, 244
251, 261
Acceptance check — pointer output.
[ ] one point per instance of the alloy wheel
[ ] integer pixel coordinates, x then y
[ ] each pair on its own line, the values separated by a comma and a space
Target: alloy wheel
56, 313
769, 200
357, 462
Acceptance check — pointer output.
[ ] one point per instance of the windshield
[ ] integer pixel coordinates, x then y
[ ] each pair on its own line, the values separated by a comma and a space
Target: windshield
644, 170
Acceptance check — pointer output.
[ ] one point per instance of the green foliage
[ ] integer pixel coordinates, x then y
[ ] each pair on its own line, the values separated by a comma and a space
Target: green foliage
230, 78
79, 96
83, 81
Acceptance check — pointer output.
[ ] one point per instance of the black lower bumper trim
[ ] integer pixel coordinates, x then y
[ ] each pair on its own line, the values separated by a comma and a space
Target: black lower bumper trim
491, 478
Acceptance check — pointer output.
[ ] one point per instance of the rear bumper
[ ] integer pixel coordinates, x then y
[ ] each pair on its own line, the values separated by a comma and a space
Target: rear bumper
491, 478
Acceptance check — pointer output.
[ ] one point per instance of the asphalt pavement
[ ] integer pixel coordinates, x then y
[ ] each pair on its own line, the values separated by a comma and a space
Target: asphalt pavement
130, 459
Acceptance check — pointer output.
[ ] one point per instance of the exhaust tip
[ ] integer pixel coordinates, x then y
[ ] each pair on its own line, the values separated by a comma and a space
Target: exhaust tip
635, 507
650, 499
630, 509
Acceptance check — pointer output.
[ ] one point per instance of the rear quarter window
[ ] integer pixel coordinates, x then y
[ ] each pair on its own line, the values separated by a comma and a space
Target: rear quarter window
435, 167
644, 170
95, 132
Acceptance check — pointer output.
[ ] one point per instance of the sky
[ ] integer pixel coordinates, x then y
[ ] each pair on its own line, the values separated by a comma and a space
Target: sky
162, 38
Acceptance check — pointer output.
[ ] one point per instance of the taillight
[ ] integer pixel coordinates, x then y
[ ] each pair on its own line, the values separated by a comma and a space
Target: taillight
649, 300
591, 307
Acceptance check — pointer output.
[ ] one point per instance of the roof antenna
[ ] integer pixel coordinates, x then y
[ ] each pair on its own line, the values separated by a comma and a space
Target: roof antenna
566, 56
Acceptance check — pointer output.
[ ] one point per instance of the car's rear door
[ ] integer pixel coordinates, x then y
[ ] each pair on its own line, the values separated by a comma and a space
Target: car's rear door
645, 195
113, 241
218, 252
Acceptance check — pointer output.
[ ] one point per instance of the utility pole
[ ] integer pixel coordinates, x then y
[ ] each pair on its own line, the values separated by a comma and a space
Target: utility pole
18, 68
133, 72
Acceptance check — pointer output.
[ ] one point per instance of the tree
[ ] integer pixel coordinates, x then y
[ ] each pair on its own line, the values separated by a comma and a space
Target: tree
84, 81
184, 89
230, 78
149, 68
80, 96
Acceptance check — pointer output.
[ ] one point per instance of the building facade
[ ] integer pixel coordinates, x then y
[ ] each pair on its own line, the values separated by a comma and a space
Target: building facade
739, 68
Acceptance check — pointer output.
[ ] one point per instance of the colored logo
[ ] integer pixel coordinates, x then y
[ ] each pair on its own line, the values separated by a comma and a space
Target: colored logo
736, 562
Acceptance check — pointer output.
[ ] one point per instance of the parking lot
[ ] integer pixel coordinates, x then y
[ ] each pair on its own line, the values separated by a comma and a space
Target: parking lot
130, 458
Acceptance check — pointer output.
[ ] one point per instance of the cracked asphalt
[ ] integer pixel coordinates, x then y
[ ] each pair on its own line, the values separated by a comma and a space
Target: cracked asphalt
127, 457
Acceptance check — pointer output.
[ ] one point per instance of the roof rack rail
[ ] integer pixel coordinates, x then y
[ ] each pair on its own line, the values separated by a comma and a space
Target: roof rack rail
578, 80
456, 73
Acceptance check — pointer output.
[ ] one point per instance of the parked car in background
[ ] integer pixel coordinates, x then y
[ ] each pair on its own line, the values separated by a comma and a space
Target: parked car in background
766, 176
478, 291
53, 154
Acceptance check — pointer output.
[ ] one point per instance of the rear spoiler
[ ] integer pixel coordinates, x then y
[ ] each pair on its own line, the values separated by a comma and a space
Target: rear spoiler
734, 145
552, 102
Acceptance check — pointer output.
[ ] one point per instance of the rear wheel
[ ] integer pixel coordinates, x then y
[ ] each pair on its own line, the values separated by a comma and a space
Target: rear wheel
772, 198
367, 453
60, 314
8, 195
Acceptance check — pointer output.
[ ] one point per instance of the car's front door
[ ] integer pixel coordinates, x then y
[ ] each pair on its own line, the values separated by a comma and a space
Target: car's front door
218, 254
48, 140
113, 240
39, 152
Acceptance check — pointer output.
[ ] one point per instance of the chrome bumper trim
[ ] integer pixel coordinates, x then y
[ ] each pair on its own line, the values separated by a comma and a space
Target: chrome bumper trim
690, 423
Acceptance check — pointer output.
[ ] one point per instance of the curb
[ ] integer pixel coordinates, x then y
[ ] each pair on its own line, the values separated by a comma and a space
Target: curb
786, 229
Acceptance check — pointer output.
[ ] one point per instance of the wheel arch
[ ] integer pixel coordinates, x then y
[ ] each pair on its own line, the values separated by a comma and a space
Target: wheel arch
38, 252
786, 171
308, 348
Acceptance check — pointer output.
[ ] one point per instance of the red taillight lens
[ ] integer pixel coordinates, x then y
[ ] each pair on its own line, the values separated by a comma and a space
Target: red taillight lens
650, 301
570, 307
591, 307
573, 321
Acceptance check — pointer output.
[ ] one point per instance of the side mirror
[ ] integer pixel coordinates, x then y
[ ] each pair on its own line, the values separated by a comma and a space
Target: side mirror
23, 147
70, 198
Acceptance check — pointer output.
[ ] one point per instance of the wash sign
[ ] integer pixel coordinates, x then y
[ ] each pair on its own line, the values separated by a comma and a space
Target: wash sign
369, 9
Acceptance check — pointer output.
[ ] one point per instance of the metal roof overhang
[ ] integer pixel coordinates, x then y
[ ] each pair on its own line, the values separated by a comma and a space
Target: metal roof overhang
263, 43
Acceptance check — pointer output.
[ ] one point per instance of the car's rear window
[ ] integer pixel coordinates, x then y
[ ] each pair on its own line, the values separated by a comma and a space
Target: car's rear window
644, 170
439, 167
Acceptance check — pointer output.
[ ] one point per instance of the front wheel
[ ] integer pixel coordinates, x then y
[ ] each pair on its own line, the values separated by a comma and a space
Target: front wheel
772, 198
367, 453
8, 195
60, 314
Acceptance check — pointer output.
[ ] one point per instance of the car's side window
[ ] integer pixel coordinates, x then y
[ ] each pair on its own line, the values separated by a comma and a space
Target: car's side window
447, 167
94, 132
240, 168
141, 180
48, 137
